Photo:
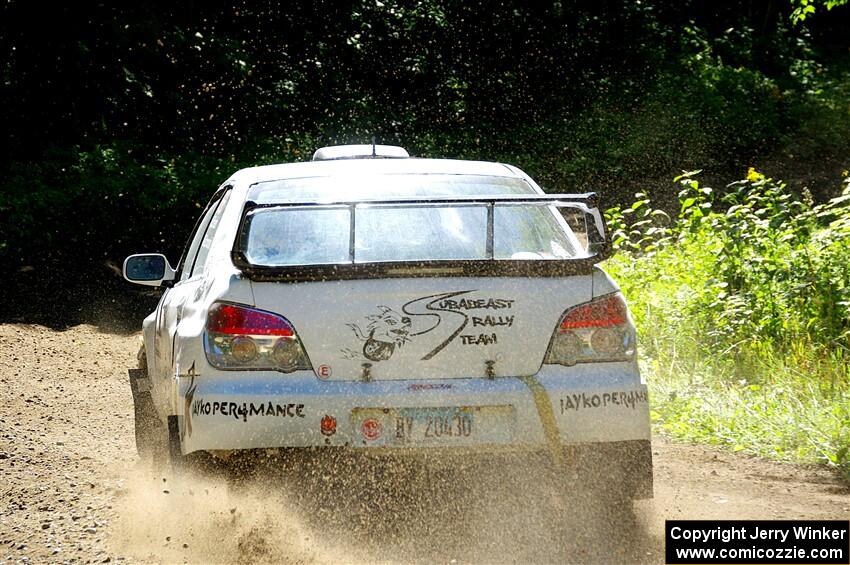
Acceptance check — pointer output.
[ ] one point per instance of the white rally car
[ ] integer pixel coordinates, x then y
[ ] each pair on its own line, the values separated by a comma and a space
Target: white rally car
371, 301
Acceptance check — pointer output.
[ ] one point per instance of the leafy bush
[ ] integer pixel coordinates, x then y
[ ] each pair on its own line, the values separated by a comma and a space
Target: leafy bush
743, 308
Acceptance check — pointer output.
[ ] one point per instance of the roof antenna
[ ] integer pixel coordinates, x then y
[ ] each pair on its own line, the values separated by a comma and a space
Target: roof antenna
374, 153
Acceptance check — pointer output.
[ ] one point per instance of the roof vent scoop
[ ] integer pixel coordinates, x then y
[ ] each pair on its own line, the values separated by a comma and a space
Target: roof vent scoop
369, 151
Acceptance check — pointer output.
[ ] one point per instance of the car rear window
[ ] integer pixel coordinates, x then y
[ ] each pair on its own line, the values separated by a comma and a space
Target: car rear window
321, 234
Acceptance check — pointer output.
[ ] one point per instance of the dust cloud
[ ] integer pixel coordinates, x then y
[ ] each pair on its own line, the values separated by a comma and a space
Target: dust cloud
200, 518
297, 507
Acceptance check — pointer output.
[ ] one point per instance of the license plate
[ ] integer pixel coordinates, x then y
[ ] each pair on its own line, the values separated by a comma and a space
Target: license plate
454, 425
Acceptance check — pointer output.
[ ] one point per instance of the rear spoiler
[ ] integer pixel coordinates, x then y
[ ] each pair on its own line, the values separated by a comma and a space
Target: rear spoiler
585, 207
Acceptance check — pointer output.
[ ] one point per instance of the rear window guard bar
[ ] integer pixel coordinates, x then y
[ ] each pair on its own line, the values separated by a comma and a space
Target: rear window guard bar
598, 247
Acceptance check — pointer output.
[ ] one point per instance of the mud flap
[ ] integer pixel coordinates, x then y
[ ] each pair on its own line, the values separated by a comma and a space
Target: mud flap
139, 385
175, 452
621, 468
146, 422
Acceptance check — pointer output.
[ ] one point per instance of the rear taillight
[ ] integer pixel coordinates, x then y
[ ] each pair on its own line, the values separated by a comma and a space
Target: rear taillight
239, 338
598, 330
239, 320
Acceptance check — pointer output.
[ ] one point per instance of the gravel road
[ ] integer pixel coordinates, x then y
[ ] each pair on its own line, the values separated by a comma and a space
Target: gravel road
74, 491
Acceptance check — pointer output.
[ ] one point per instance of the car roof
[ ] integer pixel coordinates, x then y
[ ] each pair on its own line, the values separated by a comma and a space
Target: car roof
373, 167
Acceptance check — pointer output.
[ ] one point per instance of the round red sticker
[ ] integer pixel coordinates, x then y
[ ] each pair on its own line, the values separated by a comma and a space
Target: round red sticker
324, 372
371, 428
328, 425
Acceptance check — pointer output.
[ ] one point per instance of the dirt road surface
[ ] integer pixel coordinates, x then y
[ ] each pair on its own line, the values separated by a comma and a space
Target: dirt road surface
74, 491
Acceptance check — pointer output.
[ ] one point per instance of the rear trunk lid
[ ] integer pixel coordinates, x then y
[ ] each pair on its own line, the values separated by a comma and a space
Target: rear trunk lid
424, 328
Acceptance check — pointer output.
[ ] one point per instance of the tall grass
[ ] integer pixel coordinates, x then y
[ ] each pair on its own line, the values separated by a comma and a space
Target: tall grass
742, 303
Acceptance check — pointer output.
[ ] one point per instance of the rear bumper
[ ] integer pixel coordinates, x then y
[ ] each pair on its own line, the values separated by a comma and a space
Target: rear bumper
585, 404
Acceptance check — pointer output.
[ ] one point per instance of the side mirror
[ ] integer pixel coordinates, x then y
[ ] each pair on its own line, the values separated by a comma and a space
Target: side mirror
151, 269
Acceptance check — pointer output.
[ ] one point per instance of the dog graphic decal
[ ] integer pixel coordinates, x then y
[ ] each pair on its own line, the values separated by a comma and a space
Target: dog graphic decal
384, 332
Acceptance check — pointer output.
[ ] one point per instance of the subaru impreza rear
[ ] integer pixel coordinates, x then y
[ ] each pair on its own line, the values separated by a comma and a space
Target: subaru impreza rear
395, 306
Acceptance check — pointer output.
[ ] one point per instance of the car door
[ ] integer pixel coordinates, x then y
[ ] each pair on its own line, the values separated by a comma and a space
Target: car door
171, 305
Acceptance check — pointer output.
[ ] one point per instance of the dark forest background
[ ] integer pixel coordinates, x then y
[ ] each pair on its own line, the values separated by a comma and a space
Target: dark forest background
120, 120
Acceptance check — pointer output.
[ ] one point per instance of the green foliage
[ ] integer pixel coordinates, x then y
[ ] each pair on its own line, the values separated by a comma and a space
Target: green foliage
134, 143
743, 309
805, 8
